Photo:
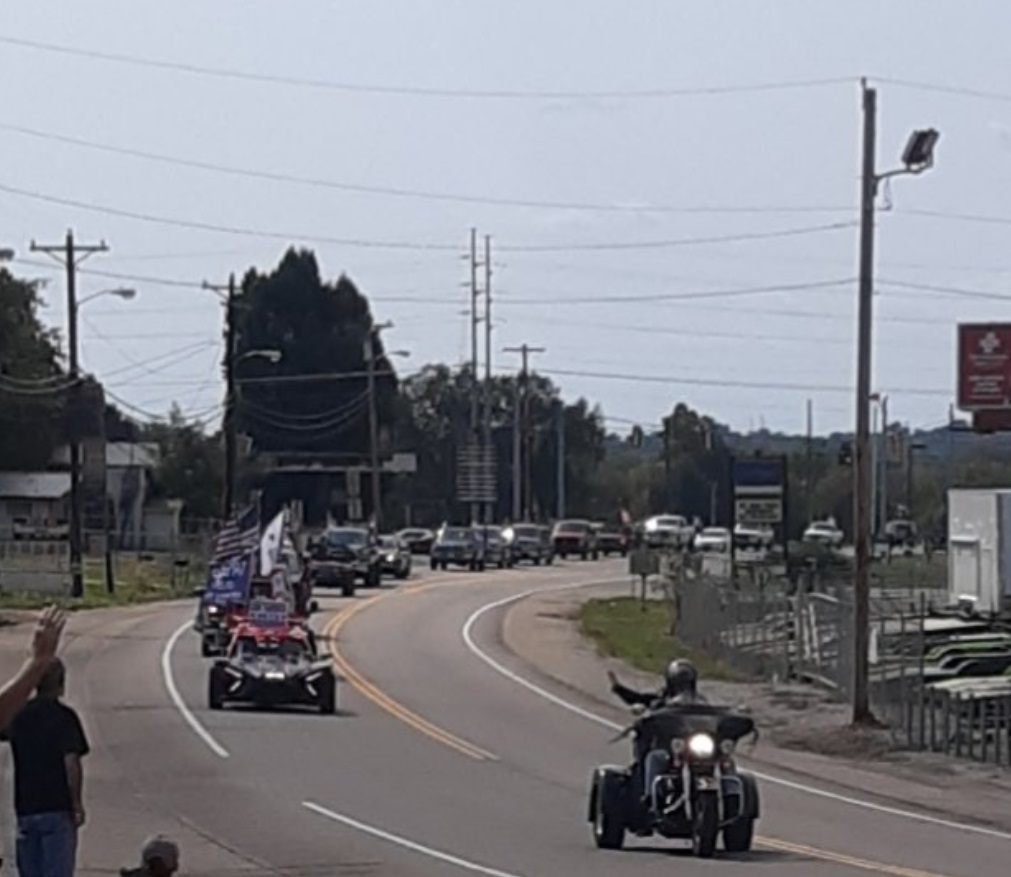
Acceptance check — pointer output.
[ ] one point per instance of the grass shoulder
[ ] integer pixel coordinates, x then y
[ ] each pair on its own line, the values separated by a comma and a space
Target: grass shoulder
136, 581
639, 634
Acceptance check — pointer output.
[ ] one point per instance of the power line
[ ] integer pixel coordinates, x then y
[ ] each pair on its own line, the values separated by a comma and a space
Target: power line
949, 290
750, 385
678, 242
411, 90
960, 217
958, 91
401, 192
683, 296
221, 229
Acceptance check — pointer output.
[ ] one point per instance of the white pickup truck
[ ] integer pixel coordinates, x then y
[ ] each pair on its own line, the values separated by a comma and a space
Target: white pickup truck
668, 531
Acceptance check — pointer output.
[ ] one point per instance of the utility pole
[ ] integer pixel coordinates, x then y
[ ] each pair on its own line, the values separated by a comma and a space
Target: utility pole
71, 254
917, 157
808, 464
489, 512
883, 477
375, 474
560, 474
862, 459
475, 318
521, 443
229, 424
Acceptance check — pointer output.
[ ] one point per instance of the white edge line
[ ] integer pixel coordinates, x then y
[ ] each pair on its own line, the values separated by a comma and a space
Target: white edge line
177, 700
467, 633
406, 844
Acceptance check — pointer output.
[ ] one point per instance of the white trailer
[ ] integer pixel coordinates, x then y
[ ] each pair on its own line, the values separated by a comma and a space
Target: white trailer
979, 549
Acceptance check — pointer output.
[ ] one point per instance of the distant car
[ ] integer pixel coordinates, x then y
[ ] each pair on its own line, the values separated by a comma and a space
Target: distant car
417, 540
824, 533
498, 551
342, 556
457, 546
753, 538
272, 664
395, 557
712, 539
668, 531
610, 540
575, 537
530, 542
901, 534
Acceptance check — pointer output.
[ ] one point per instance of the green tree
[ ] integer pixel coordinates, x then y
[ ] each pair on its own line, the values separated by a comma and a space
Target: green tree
32, 385
313, 402
434, 422
190, 466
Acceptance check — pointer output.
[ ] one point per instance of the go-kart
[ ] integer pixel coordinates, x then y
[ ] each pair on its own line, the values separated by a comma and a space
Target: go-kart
698, 794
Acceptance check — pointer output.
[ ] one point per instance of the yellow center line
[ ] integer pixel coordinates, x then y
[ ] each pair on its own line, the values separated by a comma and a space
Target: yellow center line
841, 858
383, 700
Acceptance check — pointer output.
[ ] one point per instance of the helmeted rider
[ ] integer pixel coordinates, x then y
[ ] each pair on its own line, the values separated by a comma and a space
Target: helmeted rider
680, 688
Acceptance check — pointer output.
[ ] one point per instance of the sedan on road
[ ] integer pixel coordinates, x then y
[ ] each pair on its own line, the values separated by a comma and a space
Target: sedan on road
530, 542
396, 557
417, 540
457, 546
575, 537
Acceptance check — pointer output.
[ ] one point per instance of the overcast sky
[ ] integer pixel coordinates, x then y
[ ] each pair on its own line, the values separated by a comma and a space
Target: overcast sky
612, 123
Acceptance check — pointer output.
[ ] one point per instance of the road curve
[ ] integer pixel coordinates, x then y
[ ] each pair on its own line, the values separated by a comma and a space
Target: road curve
440, 764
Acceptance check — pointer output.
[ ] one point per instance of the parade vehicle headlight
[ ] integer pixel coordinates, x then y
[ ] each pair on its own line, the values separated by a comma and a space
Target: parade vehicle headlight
274, 675
651, 525
213, 610
701, 745
727, 747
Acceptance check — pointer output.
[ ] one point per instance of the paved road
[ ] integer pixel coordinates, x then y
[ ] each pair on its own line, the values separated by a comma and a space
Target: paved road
439, 765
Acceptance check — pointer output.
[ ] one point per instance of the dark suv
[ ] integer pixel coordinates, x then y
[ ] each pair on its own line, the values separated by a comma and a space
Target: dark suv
575, 537
530, 542
342, 556
458, 546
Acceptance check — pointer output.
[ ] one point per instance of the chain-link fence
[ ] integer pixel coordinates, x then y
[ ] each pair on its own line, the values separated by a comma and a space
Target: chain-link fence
939, 682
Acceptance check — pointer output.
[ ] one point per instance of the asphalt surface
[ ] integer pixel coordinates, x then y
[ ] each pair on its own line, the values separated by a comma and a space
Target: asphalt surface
437, 764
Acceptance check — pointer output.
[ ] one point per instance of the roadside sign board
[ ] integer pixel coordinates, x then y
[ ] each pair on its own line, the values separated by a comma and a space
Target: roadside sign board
643, 562
759, 490
758, 511
984, 366
476, 474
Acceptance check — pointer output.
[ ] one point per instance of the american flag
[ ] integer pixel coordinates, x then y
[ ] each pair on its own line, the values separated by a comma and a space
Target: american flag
239, 536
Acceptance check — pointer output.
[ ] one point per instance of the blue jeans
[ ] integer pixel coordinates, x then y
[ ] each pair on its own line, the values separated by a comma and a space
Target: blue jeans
656, 764
47, 845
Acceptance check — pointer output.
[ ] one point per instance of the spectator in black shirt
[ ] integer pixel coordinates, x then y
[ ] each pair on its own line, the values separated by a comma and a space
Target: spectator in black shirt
48, 743
45, 641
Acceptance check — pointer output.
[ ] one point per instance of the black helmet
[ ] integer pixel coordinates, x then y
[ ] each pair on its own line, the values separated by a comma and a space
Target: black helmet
681, 678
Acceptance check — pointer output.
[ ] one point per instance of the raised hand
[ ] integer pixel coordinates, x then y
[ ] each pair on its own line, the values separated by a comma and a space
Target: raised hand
46, 636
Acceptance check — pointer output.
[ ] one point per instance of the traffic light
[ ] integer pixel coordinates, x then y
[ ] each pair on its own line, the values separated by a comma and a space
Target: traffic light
846, 454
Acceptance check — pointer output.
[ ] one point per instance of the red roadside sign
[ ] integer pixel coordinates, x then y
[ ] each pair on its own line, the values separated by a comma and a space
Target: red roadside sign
984, 366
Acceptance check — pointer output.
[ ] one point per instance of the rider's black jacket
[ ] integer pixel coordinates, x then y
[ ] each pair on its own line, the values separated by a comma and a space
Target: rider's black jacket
654, 700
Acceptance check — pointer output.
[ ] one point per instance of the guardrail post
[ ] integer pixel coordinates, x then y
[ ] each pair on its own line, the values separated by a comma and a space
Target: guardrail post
983, 711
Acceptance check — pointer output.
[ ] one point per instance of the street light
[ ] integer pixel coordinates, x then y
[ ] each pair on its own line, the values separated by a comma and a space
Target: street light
125, 292
370, 364
228, 421
272, 356
917, 157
